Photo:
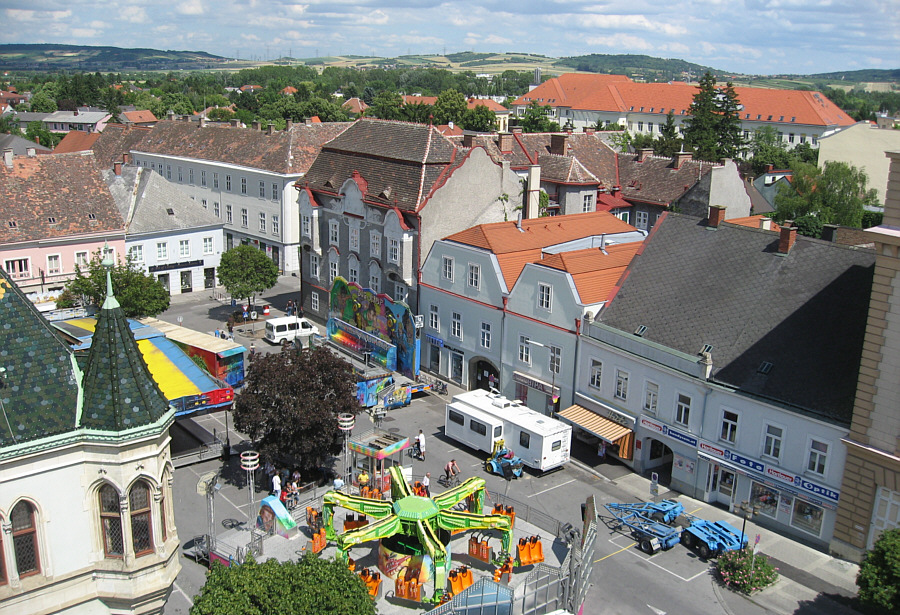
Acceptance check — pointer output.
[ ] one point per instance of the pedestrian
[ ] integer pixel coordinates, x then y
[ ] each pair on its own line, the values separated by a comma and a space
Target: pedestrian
290, 308
252, 351
426, 482
276, 485
217, 332
299, 309
420, 439
230, 326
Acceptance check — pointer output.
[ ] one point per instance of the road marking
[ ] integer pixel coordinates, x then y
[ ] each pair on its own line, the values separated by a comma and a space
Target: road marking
181, 591
450, 450
221, 495
656, 610
611, 554
641, 555
552, 488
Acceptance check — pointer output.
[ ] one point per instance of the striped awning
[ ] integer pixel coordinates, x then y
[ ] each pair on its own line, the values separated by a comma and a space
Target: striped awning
600, 426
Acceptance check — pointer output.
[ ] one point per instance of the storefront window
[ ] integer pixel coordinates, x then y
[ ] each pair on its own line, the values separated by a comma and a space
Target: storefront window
807, 517
765, 498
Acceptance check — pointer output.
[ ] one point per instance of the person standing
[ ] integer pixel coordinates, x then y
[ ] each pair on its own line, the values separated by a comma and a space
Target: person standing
420, 439
426, 483
276, 485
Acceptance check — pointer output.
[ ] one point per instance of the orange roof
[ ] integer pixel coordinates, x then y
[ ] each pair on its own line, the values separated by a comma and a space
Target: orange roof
595, 274
355, 105
618, 93
76, 141
419, 100
490, 103
516, 248
289, 90
140, 116
752, 222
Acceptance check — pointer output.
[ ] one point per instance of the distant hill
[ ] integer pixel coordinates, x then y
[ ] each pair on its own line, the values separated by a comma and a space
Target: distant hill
866, 74
640, 66
86, 58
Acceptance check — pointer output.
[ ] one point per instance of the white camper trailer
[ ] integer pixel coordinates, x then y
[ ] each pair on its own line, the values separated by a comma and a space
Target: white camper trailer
478, 418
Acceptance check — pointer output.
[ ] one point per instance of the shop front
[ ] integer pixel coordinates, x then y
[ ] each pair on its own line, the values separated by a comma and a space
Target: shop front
791, 502
597, 424
544, 395
670, 452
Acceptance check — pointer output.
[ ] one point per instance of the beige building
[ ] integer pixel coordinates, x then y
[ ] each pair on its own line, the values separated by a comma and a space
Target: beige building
862, 146
870, 496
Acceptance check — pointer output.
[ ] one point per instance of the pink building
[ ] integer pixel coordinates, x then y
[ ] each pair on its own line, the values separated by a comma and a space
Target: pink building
57, 212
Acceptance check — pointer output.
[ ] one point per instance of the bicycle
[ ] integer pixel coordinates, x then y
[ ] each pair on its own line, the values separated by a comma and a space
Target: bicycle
415, 451
448, 483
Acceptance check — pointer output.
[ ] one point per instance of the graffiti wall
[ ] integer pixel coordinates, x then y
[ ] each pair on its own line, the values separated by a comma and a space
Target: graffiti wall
364, 321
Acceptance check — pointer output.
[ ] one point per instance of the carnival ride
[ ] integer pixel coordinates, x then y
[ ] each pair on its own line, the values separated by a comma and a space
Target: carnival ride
428, 521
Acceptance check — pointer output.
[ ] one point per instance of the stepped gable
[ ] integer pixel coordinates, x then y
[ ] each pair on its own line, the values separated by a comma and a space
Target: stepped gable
803, 311
400, 162
56, 195
39, 387
119, 392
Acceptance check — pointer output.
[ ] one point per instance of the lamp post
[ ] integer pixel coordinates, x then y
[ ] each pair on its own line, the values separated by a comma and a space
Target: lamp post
747, 511
554, 398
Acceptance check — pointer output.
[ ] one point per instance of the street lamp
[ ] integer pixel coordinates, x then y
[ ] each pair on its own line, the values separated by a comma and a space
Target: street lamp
553, 396
747, 511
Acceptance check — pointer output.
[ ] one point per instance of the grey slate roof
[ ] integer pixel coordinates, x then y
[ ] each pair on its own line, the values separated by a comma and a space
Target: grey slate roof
144, 199
805, 312
19, 145
119, 392
39, 389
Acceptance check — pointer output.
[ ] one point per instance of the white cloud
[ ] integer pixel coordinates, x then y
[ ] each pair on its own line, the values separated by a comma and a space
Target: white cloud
190, 7
376, 17
83, 32
621, 42
134, 14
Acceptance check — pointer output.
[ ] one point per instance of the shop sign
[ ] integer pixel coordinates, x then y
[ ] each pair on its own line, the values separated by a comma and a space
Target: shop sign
679, 436
776, 473
435, 341
747, 463
825, 492
615, 417
651, 425
531, 383
712, 450
170, 266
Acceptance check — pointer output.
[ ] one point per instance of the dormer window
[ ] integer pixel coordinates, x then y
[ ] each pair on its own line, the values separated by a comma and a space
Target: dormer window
13, 224
170, 211
51, 220
92, 217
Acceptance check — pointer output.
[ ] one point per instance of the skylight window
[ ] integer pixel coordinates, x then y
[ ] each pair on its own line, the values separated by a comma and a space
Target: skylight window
51, 220
640, 330
706, 348
92, 217
764, 368
170, 211
13, 224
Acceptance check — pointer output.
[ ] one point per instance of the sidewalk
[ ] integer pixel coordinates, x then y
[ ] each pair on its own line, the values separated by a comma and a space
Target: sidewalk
808, 578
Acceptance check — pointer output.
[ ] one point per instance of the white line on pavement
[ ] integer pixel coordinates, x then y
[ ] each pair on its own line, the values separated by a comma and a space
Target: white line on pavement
552, 488
181, 591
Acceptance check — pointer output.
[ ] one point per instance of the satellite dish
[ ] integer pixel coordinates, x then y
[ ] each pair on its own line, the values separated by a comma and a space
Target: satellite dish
206, 482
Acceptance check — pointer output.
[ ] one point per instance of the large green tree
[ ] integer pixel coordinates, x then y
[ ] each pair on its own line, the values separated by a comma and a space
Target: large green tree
835, 194
310, 586
450, 107
290, 404
386, 106
766, 148
138, 293
245, 271
668, 143
879, 574
41, 102
480, 119
714, 128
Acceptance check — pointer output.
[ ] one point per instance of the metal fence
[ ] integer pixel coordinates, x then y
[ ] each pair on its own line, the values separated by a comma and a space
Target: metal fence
531, 515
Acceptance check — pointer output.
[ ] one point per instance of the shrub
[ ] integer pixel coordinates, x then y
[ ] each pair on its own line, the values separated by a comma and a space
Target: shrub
879, 574
735, 572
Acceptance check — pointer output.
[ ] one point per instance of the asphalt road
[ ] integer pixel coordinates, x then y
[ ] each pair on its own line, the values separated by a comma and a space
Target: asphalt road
624, 580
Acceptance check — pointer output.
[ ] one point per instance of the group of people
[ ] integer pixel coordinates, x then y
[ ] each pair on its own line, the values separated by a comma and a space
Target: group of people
450, 469
285, 485
293, 308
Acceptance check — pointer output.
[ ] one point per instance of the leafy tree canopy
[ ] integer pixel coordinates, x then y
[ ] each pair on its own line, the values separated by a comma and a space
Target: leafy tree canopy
41, 102
450, 107
310, 586
386, 105
290, 405
536, 119
837, 194
480, 119
246, 271
879, 574
139, 294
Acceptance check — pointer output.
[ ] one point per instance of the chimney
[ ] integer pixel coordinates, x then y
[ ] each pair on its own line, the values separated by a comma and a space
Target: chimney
533, 196
680, 158
770, 168
271, 129
505, 141
203, 121
558, 144
716, 216
31, 152
117, 168
787, 239
309, 121
644, 153
289, 123
8, 157
829, 232
517, 129
170, 115
126, 158
468, 140
236, 123
765, 224
588, 131
76, 112
257, 125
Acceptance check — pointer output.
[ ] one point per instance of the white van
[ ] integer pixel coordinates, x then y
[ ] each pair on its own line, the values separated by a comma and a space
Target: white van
289, 328
477, 418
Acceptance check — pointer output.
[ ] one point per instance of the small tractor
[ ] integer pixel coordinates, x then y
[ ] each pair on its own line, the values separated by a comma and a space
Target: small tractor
504, 462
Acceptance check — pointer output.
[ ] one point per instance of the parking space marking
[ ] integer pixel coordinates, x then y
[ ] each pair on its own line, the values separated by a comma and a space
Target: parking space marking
551, 488
616, 553
640, 554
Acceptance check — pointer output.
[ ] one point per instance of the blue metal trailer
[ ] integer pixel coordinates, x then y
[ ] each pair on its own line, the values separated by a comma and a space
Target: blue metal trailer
711, 538
648, 523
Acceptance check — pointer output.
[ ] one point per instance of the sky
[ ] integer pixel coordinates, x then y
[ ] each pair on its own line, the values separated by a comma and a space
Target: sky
744, 36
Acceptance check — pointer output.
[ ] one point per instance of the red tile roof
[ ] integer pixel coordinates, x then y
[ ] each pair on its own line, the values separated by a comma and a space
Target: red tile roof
516, 248
595, 274
76, 141
355, 105
419, 100
490, 103
139, 117
289, 90
620, 94
66, 188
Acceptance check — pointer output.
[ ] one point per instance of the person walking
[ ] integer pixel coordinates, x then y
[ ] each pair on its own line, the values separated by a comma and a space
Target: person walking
420, 439
426, 483
276, 485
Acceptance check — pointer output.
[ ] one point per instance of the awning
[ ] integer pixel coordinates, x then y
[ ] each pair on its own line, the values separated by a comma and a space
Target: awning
602, 427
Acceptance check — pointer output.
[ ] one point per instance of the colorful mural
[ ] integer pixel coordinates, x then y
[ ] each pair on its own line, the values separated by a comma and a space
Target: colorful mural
274, 517
364, 321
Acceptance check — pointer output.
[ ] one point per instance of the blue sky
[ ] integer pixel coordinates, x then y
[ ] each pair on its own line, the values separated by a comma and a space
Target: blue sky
749, 36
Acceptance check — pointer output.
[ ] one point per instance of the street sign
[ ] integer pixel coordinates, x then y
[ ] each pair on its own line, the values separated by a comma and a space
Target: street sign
654, 483
756, 545
420, 321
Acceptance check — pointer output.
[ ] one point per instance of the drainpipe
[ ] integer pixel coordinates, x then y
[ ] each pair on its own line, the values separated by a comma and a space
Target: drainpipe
503, 349
577, 356
706, 360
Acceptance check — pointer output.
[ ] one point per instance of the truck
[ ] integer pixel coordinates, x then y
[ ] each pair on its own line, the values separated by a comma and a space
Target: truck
478, 418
